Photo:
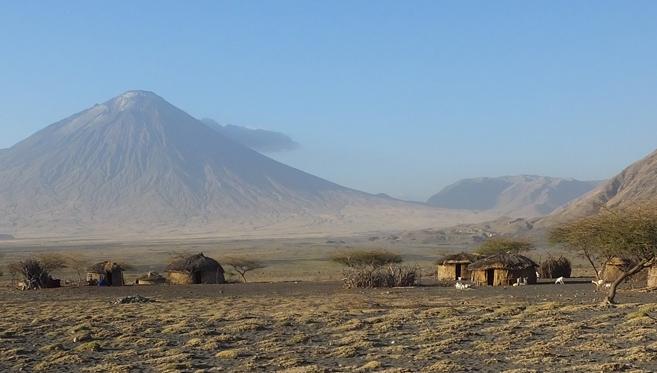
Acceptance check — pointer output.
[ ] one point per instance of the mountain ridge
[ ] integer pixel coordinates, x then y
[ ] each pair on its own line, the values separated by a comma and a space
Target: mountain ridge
634, 184
525, 196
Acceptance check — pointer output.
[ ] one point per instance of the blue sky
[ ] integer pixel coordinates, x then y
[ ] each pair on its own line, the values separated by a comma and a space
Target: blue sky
384, 96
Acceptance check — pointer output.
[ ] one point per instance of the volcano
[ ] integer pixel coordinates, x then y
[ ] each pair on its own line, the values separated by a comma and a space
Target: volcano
137, 165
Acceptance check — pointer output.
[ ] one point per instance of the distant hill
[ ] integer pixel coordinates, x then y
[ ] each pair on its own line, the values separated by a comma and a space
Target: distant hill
138, 166
635, 184
514, 196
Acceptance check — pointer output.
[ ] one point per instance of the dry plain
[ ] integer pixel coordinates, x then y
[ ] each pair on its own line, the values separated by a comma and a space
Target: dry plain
297, 317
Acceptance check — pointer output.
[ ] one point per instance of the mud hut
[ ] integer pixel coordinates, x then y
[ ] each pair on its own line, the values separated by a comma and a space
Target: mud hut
451, 267
502, 270
614, 268
195, 269
652, 276
105, 273
151, 278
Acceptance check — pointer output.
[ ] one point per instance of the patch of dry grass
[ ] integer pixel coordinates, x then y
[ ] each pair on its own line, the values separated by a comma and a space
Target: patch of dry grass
349, 331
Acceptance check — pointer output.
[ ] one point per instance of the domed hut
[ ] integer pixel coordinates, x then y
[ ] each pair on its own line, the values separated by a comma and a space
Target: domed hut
553, 267
455, 266
195, 269
105, 273
151, 278
614, 268
502, 270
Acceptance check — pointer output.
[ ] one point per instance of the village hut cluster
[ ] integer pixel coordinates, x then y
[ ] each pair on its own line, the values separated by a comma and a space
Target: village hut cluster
507, 269
494, 270
193, 269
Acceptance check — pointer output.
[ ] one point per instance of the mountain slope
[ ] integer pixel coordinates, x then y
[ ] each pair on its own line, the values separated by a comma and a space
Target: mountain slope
635, 184
138, 165
516, 196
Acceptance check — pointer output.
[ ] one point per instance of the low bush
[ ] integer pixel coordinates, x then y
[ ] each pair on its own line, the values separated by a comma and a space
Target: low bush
393, 275
376, 269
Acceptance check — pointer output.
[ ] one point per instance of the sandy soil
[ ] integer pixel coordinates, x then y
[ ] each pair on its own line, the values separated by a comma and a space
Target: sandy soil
316, 327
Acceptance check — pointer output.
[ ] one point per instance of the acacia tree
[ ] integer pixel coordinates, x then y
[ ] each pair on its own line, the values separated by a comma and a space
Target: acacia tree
362, 258
582, 237
502, 245
243, 265
52, 262
628, 233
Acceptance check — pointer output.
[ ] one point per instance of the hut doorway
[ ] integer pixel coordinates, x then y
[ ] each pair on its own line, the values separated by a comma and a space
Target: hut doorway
490, 277
457, 270
108, 278
197, 277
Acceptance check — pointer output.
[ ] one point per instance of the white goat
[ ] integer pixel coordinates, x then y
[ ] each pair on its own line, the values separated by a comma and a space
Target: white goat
461, 286
598, 283
560, 281
21, 286
601, 282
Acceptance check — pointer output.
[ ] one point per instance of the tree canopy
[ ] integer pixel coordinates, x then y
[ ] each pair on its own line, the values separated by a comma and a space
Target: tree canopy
629, 233
362, 258
243, 265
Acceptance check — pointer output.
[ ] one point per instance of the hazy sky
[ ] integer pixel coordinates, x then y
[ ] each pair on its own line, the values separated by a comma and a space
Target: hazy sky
401, 97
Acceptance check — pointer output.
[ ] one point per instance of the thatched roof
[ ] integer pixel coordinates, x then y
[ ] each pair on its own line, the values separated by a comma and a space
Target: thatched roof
104, 267
503, 261
194, 263
151, 276
620, 262
460, 258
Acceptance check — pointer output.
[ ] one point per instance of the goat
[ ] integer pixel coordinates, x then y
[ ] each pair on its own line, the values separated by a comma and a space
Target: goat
598, 283
21, 286
601, 282
560, 281
461, 286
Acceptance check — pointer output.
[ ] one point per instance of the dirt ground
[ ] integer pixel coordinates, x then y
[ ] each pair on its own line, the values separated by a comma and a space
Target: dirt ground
321, 327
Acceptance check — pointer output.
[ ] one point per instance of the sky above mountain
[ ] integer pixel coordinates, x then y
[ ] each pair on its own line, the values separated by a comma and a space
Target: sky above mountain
386, 96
